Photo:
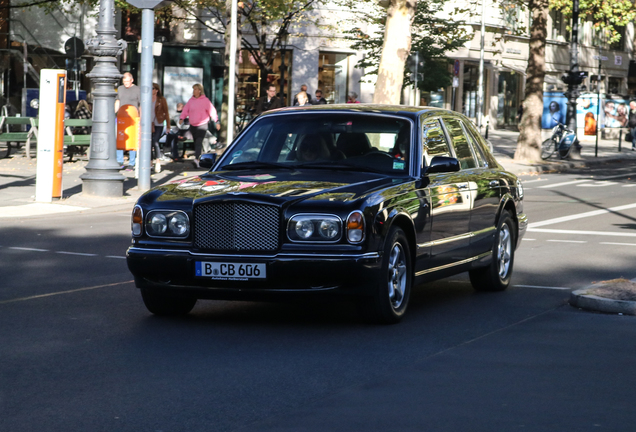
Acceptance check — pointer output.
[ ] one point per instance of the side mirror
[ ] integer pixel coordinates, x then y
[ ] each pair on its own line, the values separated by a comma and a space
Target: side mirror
207, 160
442, 164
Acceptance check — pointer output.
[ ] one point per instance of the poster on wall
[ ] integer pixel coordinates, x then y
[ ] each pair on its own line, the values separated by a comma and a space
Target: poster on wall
613, 113
177, 85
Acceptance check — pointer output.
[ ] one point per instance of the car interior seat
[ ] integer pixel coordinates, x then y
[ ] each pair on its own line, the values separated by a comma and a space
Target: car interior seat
353, 144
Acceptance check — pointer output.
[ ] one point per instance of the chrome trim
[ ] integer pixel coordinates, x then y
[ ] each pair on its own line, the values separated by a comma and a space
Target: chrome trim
316, 215
466, 261
455, 238
368, 255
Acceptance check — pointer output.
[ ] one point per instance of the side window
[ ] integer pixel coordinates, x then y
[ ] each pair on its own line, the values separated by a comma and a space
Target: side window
433, 141
476, 150
460, 144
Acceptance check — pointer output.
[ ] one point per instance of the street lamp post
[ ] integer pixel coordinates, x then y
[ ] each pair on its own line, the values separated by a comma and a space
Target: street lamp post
102, 177
574, 78
282, 43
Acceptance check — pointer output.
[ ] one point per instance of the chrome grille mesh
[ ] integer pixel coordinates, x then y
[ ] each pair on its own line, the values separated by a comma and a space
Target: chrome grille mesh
236, 227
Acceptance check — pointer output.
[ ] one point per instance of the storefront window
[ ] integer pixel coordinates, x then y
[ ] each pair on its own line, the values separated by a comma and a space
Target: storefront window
250, 79
508, 98
470, 90
332, 76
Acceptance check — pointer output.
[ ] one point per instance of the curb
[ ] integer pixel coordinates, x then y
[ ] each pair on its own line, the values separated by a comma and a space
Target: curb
581, 299
558, 166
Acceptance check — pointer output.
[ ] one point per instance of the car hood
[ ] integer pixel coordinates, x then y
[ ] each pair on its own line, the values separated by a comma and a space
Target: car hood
276, 186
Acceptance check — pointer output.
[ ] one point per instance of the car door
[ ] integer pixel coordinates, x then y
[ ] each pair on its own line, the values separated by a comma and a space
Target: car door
450, 201
487, 195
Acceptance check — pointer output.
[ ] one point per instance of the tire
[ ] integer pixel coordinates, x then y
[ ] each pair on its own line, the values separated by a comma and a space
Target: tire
165, 305
390, 298
496, 276
547, 148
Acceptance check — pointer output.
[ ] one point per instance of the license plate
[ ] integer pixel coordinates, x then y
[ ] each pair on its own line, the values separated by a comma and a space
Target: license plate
230, 271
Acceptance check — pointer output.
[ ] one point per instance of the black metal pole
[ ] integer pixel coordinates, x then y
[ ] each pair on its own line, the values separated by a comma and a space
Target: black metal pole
598, 101
573, 85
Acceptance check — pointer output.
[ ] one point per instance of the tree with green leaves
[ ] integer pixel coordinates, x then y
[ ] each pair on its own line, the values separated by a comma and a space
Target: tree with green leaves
431, 34
607, 16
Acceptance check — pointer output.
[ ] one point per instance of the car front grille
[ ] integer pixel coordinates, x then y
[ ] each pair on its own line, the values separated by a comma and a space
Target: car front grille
236, 227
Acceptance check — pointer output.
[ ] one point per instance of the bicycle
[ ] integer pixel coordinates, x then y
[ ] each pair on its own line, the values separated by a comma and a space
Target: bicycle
561, 142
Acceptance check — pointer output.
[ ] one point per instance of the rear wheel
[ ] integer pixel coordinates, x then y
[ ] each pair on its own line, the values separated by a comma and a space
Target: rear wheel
166, 305
392, 292
547, 148
496, 276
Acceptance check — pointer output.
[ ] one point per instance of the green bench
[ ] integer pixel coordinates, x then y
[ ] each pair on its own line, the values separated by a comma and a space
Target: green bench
74, 143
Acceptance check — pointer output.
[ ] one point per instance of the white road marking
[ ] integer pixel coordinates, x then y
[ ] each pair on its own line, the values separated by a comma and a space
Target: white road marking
533, 181
29, 249
598, 184
630, 185
62, 292
563, 184
577, 232
37, 209
616, 176
116, 257
566, 241
75, 253
618, 244
581, 215
541, 287
527, 239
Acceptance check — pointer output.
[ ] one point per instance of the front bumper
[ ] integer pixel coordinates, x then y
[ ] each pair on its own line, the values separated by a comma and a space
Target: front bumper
287, 273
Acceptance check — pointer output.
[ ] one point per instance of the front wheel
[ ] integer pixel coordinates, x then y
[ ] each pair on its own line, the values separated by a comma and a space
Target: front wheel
547, 148
166, 305
390, 298
496, 276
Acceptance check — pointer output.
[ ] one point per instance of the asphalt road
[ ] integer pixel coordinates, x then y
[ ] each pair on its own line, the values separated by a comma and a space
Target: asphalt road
78, 350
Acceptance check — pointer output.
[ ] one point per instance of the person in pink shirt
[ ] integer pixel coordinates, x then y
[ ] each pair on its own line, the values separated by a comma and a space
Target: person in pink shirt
199, 110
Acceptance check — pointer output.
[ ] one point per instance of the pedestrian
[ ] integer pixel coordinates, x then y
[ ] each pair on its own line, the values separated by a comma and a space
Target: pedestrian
319, 99
180, 133
268, 102
519, 113
199, 110
632, 123
352, 97
303, 88
302, 99
160, 115
128, 94
83, 112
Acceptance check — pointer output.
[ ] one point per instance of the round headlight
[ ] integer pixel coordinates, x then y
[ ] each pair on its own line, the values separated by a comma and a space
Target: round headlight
304, 228
158, 223
178, 224
329, 229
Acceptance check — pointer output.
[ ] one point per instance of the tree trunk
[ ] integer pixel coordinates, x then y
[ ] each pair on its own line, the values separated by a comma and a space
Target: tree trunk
395, 50
529, 142
226, 72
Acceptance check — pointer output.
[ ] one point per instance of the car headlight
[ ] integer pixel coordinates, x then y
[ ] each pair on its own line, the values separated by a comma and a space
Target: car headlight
355, 227
308, 227
137, 221
167, 223
519, 189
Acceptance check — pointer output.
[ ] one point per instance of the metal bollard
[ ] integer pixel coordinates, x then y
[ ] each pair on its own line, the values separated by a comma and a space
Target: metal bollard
620, 139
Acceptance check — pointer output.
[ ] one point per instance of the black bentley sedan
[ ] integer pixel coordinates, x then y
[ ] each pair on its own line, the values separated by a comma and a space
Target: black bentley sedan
364, 200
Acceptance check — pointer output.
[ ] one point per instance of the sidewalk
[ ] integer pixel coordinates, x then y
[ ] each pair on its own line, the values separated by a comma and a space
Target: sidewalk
18, 178
18, 175
505, 143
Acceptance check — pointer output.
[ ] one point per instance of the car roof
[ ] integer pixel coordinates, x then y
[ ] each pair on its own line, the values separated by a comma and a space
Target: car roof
404, 110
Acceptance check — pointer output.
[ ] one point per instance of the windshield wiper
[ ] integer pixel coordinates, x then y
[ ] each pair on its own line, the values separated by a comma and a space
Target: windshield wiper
256, 165
343, 167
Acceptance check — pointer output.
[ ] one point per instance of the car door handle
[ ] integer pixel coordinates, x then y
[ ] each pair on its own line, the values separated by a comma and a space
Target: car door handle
493, 183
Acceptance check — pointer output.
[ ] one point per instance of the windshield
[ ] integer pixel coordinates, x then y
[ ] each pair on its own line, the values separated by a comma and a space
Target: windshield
349, 141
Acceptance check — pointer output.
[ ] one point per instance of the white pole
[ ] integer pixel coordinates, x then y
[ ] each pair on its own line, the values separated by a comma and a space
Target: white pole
480, 84
232, 74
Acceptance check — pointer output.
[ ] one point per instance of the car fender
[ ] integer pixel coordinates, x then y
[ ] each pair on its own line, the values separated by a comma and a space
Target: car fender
398, 217
507, 202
